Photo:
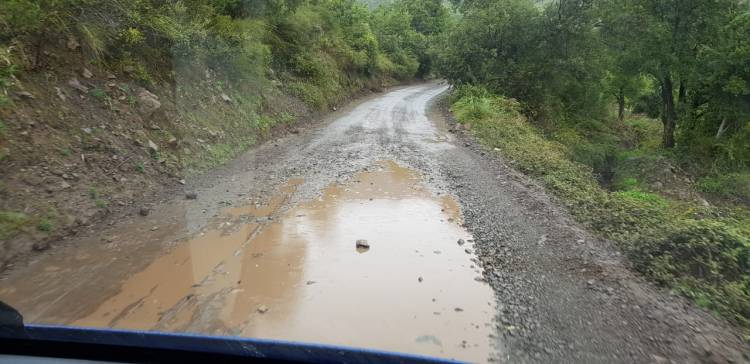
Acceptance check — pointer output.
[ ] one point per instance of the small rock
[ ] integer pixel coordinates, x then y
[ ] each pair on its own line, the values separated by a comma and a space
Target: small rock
468, 251
40, 246
60, 94
262, 309
191, 195
458, 309
74, 83
590, 282
362, 243
86, 73
420, 279
148, 103
87, 130
226, 97
182, 181
152, 147
172, 141
73, 43
461, 242
310, 282
144, 211
154, 228
25, 95
111, 76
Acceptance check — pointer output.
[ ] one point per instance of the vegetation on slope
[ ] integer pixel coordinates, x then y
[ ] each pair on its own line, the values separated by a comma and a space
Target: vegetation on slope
701, 251
570, 91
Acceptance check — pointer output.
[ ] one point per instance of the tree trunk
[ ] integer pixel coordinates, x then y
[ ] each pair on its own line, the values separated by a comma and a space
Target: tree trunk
621, 105
722, 128
668, 114
682, 94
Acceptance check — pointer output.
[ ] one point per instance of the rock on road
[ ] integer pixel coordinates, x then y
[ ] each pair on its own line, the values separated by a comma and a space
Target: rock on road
558, 293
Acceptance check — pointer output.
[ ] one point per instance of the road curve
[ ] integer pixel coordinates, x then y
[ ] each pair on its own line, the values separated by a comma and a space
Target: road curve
268, 250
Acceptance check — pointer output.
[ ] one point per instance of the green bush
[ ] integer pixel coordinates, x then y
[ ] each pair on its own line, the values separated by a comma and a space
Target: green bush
11, 223
706, 259
44, 225
735, 186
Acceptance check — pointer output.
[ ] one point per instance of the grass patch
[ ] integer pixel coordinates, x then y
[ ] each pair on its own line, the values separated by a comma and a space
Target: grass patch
98, 93
702, 252
94, 193
12, 223
732, 186
44, 225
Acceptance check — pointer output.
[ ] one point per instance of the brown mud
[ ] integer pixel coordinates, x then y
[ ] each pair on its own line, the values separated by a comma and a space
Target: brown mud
294, 273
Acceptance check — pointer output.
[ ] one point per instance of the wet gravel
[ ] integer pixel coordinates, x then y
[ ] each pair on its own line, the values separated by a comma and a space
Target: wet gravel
562, 294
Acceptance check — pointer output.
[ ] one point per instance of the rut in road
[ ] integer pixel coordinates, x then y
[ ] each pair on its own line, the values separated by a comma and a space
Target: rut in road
268, 250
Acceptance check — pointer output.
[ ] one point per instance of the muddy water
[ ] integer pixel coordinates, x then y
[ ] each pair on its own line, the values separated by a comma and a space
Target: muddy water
294, 273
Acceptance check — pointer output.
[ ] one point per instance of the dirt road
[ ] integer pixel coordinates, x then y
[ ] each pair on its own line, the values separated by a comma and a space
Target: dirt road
381, 228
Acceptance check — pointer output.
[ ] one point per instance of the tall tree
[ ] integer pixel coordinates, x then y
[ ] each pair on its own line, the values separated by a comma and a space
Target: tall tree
665, 35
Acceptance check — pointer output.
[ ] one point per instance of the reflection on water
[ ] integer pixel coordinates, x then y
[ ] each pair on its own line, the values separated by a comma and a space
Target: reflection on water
295, 273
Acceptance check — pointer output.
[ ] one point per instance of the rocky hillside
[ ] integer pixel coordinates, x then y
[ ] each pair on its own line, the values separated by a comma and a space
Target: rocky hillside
82, 141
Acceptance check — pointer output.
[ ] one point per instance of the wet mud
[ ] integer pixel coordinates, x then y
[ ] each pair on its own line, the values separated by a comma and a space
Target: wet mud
294, 272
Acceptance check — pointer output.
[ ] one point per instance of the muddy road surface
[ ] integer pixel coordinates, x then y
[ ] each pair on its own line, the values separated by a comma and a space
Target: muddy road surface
379, 227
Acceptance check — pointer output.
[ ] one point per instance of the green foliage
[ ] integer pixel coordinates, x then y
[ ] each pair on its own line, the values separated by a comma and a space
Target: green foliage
703, 253
11, 223
7, 70
94, 193
510, 47
98, 93
733, 186
707, 260
565, 61
44, 225
139, 167
641, 196
102, 204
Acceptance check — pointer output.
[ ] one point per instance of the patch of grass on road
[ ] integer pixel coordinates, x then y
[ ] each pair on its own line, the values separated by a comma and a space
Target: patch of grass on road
700, 251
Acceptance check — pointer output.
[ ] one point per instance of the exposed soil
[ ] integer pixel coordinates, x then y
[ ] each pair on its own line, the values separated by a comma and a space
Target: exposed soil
268, 249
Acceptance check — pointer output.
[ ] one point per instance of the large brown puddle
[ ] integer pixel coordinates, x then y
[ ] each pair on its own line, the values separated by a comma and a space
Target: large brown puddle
297, 274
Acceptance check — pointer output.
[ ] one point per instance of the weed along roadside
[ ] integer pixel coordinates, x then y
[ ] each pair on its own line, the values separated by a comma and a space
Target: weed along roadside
698, 250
